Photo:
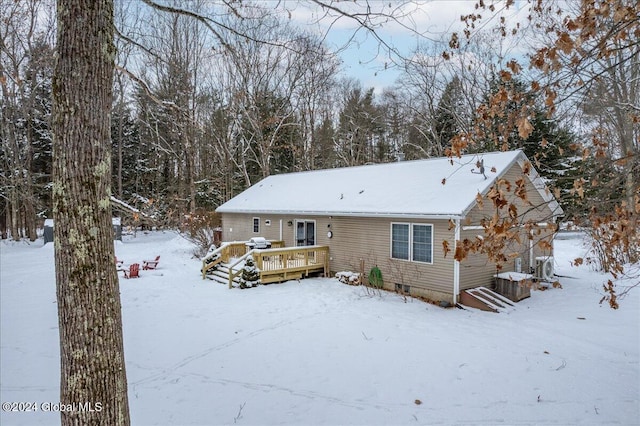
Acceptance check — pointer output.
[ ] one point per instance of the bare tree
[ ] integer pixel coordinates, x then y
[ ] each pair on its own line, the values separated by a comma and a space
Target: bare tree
174, 52
25, 58
591, 51
313, 93
263, 80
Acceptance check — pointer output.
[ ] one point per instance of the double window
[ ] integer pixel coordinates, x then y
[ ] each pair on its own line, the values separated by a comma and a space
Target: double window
412, 241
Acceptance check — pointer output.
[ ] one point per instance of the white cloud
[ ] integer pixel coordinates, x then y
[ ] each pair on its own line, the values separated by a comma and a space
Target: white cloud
401, 25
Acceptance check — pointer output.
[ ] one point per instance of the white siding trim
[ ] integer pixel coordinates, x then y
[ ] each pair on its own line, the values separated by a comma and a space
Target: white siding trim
456, 266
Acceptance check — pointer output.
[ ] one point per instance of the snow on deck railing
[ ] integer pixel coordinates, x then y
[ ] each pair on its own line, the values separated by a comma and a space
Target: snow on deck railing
232, 273
218, 250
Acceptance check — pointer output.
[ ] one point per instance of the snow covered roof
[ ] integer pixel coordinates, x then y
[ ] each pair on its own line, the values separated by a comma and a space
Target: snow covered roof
431, 188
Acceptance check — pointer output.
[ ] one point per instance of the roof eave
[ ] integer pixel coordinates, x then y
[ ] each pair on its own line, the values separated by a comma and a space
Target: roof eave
398, 215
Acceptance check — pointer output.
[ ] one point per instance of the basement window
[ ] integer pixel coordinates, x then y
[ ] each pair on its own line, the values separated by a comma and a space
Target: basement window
403, 288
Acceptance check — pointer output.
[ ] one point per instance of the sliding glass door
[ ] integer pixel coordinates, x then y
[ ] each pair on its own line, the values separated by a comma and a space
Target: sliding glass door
305, 232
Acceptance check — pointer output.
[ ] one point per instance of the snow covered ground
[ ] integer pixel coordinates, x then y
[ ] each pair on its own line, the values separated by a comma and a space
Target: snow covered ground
321, 352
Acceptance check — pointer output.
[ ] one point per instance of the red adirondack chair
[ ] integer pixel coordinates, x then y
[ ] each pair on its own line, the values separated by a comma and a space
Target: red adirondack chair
133, 271
151, 264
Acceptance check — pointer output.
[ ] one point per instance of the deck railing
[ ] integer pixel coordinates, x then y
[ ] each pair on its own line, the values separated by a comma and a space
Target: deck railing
228, 251
281, 264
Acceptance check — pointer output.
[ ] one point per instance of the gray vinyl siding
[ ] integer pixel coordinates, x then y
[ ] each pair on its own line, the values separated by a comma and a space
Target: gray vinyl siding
239, 227
372, 238
358, 244
538, 209
477, 270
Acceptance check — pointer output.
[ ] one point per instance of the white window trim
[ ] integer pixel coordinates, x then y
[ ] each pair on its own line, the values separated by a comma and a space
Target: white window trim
253, 225
411, 225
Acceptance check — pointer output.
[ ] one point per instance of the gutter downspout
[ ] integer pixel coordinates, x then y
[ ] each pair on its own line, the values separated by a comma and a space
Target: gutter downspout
456, 266
531, 261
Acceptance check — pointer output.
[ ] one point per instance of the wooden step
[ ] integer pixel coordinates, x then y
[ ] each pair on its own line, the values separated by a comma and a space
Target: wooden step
221, 274
487, 300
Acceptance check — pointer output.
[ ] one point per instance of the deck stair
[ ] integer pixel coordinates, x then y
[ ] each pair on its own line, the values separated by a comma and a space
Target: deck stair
220, 274
486, 299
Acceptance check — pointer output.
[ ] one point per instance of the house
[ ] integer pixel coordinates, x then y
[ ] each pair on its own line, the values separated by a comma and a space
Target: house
396, 216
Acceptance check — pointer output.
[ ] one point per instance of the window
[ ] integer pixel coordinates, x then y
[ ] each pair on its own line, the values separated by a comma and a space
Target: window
400, 241
403, 288
421, 243
412, 242
256, 225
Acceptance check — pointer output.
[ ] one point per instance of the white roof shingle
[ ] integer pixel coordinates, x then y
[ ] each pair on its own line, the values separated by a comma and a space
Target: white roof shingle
402, 189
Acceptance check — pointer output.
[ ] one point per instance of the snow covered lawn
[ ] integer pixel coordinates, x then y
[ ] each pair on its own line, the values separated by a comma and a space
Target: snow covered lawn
321, 352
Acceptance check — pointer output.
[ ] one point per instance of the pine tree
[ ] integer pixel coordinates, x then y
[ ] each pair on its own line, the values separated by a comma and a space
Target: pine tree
250, 274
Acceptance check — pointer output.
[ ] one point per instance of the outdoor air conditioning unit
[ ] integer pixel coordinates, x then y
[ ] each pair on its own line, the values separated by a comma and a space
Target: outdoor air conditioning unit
544, 268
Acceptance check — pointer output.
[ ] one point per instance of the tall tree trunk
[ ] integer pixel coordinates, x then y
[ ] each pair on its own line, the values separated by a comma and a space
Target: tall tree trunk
15, 216
120, 135
4, 212
89, 312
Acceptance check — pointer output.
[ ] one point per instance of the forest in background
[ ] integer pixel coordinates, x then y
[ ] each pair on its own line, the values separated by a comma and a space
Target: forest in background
210, 98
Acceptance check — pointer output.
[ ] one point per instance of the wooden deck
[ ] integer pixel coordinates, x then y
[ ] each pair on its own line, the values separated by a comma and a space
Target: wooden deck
228, 252
275, 264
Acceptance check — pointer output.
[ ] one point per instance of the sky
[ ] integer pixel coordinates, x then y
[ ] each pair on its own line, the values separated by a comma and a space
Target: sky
363, 56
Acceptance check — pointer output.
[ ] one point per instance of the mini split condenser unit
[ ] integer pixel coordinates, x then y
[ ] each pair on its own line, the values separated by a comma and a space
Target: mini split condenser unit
544, 268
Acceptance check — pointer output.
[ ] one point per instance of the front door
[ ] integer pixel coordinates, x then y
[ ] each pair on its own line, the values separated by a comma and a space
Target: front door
305, 232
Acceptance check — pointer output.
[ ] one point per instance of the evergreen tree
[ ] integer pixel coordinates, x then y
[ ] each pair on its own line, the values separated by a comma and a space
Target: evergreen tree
549, 145
446, 120
250, 274
325, 156
125, 137
360, 130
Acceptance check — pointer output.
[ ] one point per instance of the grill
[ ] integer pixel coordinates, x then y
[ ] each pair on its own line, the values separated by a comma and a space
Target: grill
258, 243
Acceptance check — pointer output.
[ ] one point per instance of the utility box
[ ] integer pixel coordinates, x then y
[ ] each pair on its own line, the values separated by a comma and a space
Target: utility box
515, 286
48, 231
117, 228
